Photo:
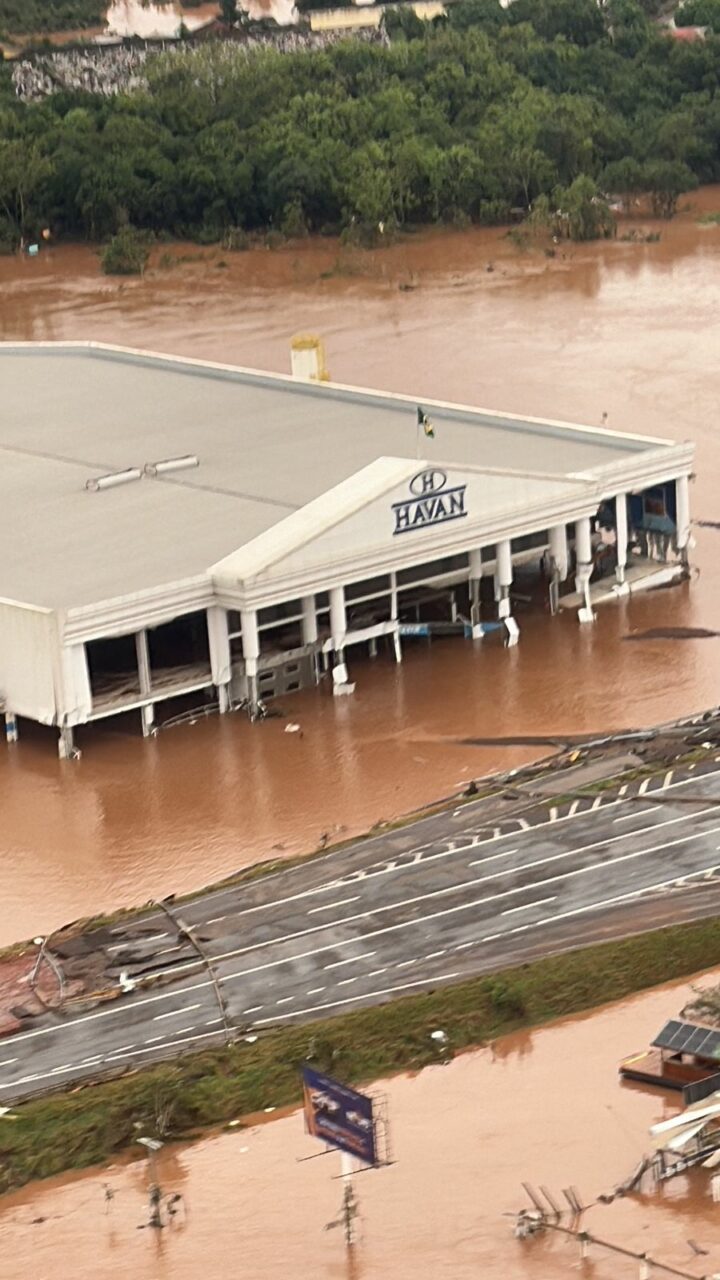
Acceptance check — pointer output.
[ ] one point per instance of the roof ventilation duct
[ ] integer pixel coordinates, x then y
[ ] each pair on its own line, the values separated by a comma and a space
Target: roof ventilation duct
113, 478
171, 464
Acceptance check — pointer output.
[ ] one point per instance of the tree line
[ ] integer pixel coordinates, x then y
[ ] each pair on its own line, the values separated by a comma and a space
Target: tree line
472, 118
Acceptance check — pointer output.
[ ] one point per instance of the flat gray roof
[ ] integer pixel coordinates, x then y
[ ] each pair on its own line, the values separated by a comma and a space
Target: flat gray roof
267, 445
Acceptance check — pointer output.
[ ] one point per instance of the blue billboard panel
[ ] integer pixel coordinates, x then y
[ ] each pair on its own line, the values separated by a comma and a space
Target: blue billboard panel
339, 1115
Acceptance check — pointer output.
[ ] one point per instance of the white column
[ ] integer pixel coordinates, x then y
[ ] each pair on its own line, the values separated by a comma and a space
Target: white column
338, 620
621, 534
220, 656
503, 577
475, 576
393, 596
66, 744
682, 513
251, 653
142, 652
583, 567
559, 550
338, 632
310, 629
309, 620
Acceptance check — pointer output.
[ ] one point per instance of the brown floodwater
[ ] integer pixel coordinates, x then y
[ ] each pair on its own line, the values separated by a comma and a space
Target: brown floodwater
543, 1106
627, 329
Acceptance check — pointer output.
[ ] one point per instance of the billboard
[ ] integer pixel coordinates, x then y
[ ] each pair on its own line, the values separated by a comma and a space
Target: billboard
339, 1115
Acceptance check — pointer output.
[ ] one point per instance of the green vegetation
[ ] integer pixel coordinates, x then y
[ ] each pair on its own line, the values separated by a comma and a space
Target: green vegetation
468, 119
78, 1129
28, 17
126, 254
699, 13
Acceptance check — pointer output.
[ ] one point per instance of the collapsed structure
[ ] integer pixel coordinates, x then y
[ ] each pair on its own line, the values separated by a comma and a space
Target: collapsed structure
171, 526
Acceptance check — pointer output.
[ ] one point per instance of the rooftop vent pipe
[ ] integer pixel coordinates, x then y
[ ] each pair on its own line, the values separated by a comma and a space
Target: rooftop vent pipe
171, 464
113, 478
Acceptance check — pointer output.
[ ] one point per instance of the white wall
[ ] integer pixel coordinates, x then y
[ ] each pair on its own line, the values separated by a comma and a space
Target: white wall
28, 661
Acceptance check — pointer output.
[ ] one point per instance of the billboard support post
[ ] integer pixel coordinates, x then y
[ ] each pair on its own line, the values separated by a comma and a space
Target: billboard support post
350, 1205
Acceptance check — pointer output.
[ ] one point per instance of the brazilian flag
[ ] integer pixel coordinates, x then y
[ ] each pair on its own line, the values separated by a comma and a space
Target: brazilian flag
424, 422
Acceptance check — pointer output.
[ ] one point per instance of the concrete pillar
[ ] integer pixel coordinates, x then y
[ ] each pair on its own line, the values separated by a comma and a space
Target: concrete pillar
559, 550
251, 653
66, 744
11, 728
475, 576
309, 620
503, 577
583, 567
393, 596
147, 713
338, 620
220, 655
682, 513
621, 533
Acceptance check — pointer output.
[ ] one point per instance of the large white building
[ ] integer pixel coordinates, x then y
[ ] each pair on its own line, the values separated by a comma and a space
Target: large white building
171, 526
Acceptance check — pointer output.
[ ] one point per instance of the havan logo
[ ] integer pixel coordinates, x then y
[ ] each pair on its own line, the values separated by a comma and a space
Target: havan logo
432, 502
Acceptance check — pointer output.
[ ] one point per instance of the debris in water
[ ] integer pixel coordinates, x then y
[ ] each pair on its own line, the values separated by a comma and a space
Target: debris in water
673, 633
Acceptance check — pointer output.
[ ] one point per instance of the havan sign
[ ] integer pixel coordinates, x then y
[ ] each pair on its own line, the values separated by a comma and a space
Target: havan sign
431, 502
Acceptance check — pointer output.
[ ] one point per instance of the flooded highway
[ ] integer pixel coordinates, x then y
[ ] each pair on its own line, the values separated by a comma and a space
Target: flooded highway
625, 329
544, 1106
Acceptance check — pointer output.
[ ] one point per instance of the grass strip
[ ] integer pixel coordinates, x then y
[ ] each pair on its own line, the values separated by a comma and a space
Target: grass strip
178, 1100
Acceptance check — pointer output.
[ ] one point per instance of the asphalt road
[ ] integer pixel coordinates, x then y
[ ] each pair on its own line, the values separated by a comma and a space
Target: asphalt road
432, 903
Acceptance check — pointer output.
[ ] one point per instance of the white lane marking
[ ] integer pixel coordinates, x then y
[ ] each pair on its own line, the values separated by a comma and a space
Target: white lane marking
215, 920
596, 804
254, 1009
463, 946
405, 964
591, 906
213, 1022
367, 995
135, 1053
91, 1062
468, 906
123, 1047
471, 809
7, 1062
345, 982
285, 1000
573, 808
638, 812
524, 824
155, 1039
433, 955
375, 974
136, 939
539, 902
183, 1031
598, 844
391, 866
177, 1013
553, 813
328, 906
350, 960
315, 991
643, 786
668, 778
124, 1006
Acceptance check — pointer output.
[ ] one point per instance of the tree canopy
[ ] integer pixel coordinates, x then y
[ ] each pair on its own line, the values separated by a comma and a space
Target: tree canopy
469, 118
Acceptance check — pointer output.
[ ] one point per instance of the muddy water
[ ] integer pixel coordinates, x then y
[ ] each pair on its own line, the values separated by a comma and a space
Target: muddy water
624, 329
543, 1106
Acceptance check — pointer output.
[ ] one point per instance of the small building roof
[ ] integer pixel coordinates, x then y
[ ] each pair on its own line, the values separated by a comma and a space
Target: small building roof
267, 446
